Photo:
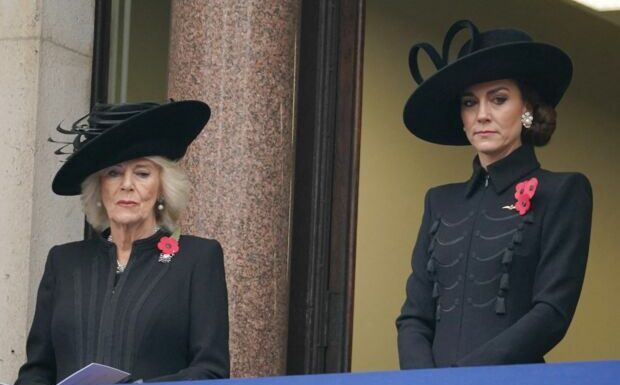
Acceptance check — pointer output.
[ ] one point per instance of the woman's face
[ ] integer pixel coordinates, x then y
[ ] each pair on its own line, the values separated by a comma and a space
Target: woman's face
491, 114
129, 191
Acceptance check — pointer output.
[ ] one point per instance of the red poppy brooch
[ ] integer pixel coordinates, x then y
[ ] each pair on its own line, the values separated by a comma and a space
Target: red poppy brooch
524, 193
168, 246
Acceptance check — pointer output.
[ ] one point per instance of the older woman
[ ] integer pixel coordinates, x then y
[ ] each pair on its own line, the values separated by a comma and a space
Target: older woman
139, 296
499, 260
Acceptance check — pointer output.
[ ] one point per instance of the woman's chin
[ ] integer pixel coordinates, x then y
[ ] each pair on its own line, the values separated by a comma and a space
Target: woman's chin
128, 221
486, 146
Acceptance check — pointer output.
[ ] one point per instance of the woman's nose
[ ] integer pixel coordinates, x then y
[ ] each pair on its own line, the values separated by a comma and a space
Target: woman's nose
483, 112
127, 182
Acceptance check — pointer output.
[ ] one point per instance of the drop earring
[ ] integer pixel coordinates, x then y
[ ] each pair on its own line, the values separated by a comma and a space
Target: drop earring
160, 205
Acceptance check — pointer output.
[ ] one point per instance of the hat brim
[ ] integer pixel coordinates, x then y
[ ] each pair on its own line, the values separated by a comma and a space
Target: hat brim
432, 113
166, 130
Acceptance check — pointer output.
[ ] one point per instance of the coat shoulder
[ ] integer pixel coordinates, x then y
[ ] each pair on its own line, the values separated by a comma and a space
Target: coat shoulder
446, 191
198, 248
74, 245
563, 182
193, 241
563, 176
75, 249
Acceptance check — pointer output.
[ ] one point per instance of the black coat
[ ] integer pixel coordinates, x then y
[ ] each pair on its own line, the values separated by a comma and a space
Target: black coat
490, 286
158, 321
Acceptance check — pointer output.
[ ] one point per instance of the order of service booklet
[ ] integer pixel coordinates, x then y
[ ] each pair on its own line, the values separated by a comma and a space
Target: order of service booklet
94, 374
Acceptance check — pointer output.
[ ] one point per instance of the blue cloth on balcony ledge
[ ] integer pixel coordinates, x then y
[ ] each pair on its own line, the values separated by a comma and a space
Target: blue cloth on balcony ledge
577, 373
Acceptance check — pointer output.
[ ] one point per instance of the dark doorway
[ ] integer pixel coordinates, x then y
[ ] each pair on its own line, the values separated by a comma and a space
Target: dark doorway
326, 182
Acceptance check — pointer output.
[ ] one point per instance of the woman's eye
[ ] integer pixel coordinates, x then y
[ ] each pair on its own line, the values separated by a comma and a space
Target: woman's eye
143, 174
113, 173
468, 102
499, 99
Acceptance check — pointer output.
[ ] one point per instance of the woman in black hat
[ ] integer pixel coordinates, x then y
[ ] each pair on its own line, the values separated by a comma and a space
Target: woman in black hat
139, 296
499, 260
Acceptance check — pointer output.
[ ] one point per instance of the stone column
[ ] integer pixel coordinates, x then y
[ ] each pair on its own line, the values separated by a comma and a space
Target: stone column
45, 71
239, 56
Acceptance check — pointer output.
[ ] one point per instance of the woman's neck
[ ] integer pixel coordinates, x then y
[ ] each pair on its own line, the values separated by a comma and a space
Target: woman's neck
123, 235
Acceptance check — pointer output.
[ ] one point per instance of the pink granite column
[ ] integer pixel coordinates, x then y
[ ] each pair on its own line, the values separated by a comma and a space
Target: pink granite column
239, 57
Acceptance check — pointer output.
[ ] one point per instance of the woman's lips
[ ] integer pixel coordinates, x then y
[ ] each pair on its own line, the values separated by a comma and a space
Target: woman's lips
126, 203
484, 132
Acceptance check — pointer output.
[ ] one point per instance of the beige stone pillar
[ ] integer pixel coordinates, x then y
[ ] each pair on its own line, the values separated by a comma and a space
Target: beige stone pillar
239, 57
45, 71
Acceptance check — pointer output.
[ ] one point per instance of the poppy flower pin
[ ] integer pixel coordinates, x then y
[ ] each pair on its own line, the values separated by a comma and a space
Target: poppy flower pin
168, 246
524, 192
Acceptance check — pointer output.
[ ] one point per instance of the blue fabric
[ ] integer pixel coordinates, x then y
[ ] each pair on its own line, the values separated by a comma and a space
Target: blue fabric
598, 373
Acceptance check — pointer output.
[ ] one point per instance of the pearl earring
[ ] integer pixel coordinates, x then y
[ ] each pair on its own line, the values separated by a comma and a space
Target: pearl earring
160, 206
527, 119
98, 204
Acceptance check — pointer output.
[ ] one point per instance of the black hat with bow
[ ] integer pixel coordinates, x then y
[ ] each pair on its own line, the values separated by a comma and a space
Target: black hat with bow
114, 133
432, 112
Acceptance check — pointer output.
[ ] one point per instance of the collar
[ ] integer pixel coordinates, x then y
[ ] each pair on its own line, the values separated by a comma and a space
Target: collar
504, 172
140, 244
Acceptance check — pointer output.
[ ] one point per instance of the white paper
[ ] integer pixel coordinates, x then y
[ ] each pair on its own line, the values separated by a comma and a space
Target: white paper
95, 374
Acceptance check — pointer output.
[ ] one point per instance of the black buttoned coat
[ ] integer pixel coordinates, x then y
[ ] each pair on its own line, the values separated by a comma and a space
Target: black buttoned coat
490, 286
158, 321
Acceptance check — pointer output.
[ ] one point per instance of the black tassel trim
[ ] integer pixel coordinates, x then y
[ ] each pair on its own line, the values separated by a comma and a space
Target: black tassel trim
430, 266
500, 306
438, 313
431, 247
434, 227
517, 238
504, 283
435, 290
507, 258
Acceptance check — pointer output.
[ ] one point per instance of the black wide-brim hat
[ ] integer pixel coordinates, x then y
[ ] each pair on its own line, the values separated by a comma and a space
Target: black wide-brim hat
112, 134
432, 112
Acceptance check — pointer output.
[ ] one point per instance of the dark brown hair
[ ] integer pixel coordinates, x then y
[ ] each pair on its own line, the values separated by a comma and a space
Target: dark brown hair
544, 114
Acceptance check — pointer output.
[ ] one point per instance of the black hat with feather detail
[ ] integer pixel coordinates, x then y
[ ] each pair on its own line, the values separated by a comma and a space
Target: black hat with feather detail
432, 112
114, 133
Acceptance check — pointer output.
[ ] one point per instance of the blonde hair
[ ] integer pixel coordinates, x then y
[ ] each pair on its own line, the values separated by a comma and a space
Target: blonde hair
174, 192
